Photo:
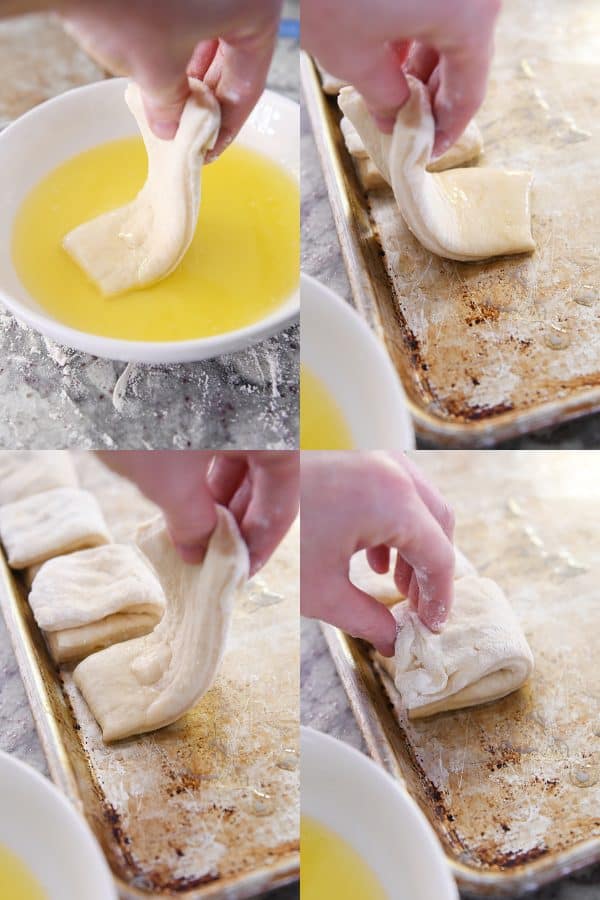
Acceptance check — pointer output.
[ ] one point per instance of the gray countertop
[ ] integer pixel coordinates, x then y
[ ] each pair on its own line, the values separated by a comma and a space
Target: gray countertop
325, 707
54, 397
322, 258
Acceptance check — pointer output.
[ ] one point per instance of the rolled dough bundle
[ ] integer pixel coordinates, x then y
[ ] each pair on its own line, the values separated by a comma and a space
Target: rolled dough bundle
144, 241
461, 213
90, 599
49, 524
149, 682
27, 472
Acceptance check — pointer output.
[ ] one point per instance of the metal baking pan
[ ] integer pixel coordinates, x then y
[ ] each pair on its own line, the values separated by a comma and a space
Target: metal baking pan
208, 807
489, 351
512, 789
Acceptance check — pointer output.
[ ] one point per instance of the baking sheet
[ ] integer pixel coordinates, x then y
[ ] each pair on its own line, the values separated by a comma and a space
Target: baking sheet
487, 351
208, 807
512, 788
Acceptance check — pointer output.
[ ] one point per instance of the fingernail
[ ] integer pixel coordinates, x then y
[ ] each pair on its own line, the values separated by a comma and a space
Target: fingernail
166, 130
193, 554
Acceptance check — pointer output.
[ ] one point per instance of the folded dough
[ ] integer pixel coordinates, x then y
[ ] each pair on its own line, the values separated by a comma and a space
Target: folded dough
49, 524
463, 214
94, 598
467, 148
27, 472
149, 682
144, 241
480, 656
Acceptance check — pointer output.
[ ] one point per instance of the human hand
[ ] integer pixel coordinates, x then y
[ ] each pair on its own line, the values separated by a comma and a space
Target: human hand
260, 489
226, 43
448, 44
375, 502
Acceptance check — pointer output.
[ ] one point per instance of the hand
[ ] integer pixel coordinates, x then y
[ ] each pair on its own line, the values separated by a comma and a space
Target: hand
259, 488
227, 43
370, 44
373, 501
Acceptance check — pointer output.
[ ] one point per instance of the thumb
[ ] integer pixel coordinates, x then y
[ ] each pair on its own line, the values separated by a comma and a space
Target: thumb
164, 105
383, 85
191, 524
360, 615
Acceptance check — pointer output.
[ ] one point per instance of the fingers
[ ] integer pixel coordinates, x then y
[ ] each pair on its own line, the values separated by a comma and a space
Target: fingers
431, 497
421, 62
225, 477
358, 614
382, 83
463, 74
379, 559
237, 76
191, 524
164, 103
202, 59
266, 505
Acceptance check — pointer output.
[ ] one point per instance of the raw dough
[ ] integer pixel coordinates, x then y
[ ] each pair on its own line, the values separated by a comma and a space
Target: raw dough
93, 598
480, 656
49, 524
144, 241
467, 148
150, 682
464, 214
27, 472
383, 587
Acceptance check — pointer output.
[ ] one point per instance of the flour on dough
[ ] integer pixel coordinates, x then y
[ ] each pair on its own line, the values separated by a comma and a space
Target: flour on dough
462, 213
49, 524
94, 598
481, 655
144, 241
147, 683
27, 472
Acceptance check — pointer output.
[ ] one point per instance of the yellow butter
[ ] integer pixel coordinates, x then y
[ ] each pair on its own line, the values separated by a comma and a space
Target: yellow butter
16, 881
241, 265
322, 424
330, 869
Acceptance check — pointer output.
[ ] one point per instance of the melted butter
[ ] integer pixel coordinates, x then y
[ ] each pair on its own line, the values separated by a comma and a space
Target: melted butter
331, 869
322, 425
242, 264
16, 881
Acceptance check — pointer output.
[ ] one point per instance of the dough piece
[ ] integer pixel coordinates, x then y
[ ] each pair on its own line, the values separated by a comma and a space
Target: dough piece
150, 682
480, 656
74, 644
93, 598
463, 214
27, 472
383, 587
467, 148
144, 241
45, 525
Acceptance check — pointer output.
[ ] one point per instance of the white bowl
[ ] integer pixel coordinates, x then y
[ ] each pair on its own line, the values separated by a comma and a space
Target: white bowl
348, 793
343, 353
83, 118
40, 826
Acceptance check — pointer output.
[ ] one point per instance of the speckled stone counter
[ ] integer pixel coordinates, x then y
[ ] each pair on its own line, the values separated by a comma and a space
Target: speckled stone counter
322, 258
56, 397
325, 707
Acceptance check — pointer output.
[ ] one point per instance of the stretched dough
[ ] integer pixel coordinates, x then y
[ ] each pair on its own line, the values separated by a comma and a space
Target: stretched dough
94, 598
149, 682
480, 656
467, 148
49, 524
463, 214
144, 241
27, 472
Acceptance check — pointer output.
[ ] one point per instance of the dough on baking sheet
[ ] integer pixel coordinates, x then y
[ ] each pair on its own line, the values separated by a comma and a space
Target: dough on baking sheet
74, 644
144, 241
147, 683
49, 524
480, 656
27, 472
464, 214
383, 587
93, 598
467, 148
